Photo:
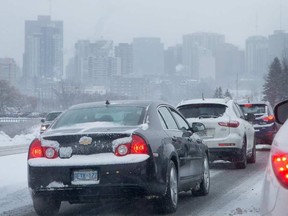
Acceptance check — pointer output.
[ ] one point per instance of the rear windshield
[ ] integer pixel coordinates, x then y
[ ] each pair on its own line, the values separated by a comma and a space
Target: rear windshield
202, 110
52, 116
120, 115
254, 108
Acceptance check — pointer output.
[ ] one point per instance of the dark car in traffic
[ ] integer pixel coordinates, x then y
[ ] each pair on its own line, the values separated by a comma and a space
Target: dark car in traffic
50, 117
117, 149
264, 122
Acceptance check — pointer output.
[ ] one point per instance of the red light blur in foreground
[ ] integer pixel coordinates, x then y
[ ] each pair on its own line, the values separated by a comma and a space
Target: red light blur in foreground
280, 168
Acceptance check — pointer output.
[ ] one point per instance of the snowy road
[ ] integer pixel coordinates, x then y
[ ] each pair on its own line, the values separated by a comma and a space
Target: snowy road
233, 192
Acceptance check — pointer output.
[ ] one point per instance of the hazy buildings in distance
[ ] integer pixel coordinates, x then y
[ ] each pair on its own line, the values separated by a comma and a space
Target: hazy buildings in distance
9, 71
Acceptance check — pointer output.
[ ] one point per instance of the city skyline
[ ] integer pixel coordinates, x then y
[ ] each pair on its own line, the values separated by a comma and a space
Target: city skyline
167, 20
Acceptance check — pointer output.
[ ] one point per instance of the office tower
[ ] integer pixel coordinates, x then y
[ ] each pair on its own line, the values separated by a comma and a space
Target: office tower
95, 63
124, 52
148, 56
43, 55
278, 45
9, 71
173, 61
192, 46
229, 65
256, 57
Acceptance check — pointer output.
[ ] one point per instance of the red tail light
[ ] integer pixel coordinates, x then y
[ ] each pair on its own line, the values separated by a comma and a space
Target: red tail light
233, 124
280, 167
137, 146
248, 105
37, 151
269, 118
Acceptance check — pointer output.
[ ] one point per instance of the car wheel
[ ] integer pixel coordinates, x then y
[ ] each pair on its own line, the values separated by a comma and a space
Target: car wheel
46, 206
205, 183
243, 163
169, 202
252, 159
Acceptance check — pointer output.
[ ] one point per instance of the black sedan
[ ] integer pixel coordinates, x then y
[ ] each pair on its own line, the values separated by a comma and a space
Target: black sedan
117, 149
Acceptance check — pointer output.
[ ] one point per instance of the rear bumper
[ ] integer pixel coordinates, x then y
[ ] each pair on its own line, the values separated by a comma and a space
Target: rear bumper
118, 180
265, 135
234, 139
229, 154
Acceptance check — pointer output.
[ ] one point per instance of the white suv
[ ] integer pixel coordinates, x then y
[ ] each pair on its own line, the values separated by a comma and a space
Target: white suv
229, 136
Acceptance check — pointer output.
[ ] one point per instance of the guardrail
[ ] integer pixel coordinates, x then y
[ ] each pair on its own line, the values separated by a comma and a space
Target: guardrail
20, 119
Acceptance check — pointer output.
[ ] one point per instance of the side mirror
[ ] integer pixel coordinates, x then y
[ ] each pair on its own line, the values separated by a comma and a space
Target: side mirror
250, 117
281, 112
42, 120
197, 127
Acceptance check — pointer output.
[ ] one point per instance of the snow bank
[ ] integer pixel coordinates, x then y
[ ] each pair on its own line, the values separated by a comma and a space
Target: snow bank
23, 139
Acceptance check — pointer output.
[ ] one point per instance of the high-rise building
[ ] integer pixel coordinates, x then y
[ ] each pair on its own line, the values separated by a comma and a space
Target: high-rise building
256, 57
229, 65
278, 45
193, 44
43, 55
173, 60
94, 63
8, 70
124, 52
148, 56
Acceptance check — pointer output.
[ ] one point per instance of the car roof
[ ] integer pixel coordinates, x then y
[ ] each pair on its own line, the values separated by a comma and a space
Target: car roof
223, 101
118, 103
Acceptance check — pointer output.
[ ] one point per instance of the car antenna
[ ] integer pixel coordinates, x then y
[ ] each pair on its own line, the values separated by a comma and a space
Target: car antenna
107, 102
203, 97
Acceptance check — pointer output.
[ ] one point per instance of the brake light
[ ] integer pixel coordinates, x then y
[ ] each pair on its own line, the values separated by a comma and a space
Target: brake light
248, 105
269, 118
280, 168
137, 146
36, 150
233, 124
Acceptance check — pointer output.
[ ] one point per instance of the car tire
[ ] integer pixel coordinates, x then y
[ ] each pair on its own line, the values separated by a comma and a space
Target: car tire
205, 183
243, 163
46, 206
252, 159
169, 202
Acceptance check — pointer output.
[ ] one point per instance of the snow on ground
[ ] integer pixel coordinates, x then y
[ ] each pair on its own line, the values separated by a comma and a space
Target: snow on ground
23, 139
14, 186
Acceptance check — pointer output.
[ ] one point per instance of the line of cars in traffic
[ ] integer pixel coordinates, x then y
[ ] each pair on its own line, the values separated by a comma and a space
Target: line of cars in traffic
136, 148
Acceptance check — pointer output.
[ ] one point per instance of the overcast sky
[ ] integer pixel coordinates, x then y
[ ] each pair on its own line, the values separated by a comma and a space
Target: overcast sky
121, 20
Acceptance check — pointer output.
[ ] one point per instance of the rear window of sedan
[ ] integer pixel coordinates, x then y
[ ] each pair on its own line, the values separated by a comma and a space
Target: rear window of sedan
120, 115
256, 109
202, 110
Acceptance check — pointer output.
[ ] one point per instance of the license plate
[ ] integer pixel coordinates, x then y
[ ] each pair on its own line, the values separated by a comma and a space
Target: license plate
85, 177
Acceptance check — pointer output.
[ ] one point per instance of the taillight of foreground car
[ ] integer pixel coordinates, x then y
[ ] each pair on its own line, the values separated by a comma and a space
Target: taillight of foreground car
233, 124
137, 146
36, 150
280, 167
